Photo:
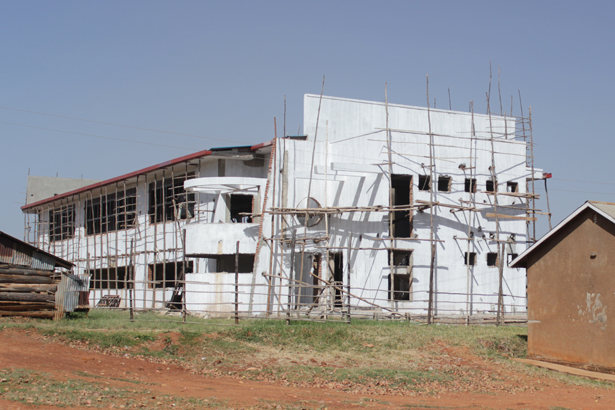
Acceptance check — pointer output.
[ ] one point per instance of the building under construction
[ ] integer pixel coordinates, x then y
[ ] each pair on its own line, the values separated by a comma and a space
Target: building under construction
378, 210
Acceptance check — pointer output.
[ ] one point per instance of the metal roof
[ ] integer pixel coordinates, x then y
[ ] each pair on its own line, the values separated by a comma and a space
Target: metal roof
606, 209
16, 252
162, 165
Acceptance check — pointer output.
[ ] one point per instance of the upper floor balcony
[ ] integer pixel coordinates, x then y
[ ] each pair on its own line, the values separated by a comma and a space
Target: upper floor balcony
236, 199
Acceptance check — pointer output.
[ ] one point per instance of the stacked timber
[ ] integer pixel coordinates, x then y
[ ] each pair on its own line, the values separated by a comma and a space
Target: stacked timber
27, 292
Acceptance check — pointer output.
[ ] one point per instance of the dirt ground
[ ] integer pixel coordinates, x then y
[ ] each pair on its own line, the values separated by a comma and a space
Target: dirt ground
22, 349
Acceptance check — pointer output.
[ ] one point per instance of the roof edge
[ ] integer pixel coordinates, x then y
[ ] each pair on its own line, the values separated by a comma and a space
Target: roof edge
261, 145
414, 107
119, 178
521, 260
59, 261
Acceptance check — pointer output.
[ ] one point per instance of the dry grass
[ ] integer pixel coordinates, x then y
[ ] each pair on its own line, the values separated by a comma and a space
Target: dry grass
367, 356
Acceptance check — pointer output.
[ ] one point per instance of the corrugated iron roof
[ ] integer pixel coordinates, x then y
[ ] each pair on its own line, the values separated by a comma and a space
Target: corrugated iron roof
143, 171
16, 252
118, 179
606, 209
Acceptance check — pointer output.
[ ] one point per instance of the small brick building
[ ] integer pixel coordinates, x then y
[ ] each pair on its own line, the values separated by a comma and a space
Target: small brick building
571, 290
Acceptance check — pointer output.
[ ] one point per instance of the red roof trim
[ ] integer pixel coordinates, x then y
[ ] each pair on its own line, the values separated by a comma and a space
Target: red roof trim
261, 145
120, 178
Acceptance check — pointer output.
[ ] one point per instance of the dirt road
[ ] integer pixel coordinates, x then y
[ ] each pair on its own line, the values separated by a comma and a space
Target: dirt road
21, 349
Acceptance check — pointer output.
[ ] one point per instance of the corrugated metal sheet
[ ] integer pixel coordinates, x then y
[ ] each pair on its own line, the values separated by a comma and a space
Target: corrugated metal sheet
16, 252
22, 255
69, 291
605, 207
6, 250
42, 261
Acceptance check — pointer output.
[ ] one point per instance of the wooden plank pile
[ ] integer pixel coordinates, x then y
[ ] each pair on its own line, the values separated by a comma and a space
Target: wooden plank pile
27, 292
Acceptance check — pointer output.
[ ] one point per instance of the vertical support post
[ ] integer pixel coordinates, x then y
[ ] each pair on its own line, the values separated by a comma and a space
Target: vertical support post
391, 196
470, 214
183, 275
291, 274
272, 243
348, 279
237, 285
132, 280
432, 180
548, 207
533, 178
500, 315
432, 261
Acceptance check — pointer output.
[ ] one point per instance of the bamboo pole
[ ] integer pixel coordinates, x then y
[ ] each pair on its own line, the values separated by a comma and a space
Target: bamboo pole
533, 176
348, 264
327, 216
495, 196
471, 199
237, 284
132, 281
391, 257
183, 275
548, 207
271, 247
290, 275
500, 314
430, 306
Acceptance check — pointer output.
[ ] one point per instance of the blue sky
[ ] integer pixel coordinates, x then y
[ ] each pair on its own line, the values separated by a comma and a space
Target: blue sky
220, 70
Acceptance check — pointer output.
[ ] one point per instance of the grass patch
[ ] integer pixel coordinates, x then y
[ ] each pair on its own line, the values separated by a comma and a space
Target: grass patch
103, 339
37, 389
394, 354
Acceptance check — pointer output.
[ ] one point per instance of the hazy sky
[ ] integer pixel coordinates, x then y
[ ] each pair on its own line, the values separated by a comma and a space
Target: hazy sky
220, 70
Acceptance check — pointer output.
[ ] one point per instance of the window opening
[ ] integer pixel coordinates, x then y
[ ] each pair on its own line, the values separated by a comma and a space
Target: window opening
469, 258
241, 204
492, 259
315, 275
511, 257
424, 182
226, 263
444, 183
168, 201
491, 185
111, 212
336, 270
164, 275
61, 223
402, 195
307, 285
512, 186
108, 278
401, 276
470, 185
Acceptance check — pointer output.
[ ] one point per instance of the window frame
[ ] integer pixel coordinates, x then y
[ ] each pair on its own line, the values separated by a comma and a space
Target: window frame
234, 210
512, 187
161, 195
470, 185
445, 179
492, 259
493, 183
104, 214
61, 223
424, 183
469, 258
402, 260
